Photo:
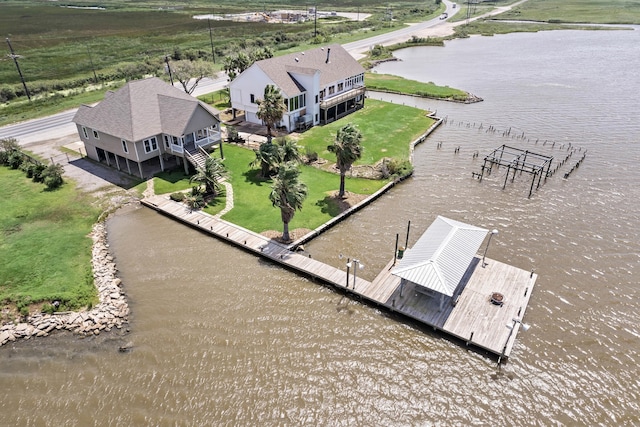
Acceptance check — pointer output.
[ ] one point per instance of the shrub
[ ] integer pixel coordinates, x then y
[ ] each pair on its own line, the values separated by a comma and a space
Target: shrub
195, 201
52, 176
312, 156
7, 93
177, 197
14, 159
48, 308
37, 172
29, 168
399, 168
232, 134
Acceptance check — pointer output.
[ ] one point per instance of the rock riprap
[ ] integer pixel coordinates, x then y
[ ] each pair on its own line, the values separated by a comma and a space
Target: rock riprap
111, 312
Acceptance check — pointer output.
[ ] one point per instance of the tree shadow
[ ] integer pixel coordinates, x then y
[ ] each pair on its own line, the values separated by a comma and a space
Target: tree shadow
172, 176
252, 176
332, 205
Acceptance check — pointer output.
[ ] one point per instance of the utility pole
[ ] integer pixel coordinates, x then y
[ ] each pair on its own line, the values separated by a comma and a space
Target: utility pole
95, 77
15, 59
166, 59
213, 53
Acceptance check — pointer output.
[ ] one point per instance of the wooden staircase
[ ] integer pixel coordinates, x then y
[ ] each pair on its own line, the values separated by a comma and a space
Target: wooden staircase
196, 156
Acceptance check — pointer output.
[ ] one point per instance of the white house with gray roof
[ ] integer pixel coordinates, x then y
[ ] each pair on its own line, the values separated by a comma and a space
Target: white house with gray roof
319, 86
144, 123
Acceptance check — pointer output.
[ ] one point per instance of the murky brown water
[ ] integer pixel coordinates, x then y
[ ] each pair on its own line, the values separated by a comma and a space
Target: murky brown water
222, 338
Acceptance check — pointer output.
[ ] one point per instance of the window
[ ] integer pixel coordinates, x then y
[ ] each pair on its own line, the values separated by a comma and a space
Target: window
96, 135
167, 141
124, 146
316, 99
150, 144
253, 98
85, 133
340, 87
332, 89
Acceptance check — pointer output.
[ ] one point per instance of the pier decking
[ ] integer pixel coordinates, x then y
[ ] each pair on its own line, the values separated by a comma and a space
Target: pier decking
471, 316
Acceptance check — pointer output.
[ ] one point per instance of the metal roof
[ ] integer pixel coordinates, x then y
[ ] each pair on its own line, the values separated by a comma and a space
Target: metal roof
441, 256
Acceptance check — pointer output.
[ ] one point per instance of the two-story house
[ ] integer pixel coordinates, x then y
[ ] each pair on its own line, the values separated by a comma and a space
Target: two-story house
144, 123
319, 86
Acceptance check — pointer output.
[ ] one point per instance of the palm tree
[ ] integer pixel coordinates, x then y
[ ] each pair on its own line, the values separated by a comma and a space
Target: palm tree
348, 149
270, 156
271, 108
289, 150
288, 194
211, 175
267, 157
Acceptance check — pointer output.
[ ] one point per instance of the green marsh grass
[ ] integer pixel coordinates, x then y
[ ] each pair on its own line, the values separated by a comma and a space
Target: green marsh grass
45, 250
397, 84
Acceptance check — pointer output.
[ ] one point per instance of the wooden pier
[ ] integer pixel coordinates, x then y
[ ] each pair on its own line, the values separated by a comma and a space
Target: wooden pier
471, 316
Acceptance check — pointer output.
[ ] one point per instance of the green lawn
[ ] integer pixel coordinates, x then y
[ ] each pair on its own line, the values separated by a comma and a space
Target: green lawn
253, 210
397, 84
387, 130
45, 253
171, 181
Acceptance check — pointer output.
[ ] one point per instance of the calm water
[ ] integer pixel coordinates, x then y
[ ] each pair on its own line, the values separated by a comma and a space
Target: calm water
222, 338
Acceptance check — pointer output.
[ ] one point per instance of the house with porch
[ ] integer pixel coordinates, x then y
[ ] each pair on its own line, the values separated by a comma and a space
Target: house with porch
319, 86
148, 125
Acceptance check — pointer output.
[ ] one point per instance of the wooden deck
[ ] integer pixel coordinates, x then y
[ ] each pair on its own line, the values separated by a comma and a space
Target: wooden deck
473, 318
252, 242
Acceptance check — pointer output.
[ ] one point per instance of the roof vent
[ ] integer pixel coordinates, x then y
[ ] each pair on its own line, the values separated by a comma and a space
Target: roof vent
328, 53
297, 60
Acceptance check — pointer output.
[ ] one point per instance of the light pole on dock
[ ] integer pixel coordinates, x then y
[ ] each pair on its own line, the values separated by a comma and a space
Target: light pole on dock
356, 264
494, 231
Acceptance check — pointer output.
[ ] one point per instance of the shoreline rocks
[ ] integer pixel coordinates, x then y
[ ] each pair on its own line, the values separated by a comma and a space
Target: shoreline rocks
111, 312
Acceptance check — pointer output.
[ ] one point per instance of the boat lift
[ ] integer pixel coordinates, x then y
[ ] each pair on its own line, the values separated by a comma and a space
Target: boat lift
519, 161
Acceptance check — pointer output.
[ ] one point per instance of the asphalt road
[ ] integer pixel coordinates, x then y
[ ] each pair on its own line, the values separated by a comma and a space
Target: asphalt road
60, 125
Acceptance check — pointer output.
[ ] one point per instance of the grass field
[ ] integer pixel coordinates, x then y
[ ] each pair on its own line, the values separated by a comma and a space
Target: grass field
45, 251
577, 11
387, 130
411, 87
254, 211
546, 15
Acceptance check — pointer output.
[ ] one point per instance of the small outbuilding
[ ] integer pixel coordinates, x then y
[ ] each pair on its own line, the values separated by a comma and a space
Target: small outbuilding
439, 259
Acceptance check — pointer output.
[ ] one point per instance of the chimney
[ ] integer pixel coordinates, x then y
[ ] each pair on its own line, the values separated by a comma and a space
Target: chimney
328, 53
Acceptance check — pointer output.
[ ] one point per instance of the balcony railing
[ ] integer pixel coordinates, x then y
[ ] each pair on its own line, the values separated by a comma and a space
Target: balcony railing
342, 97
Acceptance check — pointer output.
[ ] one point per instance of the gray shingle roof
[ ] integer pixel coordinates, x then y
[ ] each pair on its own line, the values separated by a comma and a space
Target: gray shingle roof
140, 109
333, 62
441, 256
